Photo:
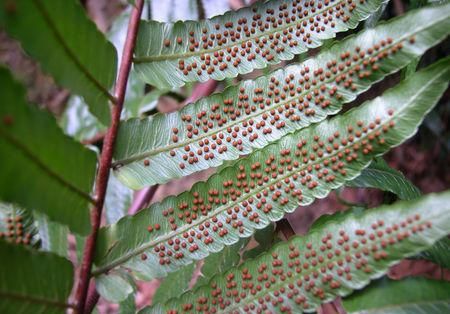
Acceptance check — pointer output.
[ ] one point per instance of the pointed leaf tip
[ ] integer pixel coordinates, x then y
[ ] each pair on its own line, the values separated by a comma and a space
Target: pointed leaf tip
343, 255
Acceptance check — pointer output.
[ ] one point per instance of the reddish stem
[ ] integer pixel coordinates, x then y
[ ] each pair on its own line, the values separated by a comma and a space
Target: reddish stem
106, 156
92, 298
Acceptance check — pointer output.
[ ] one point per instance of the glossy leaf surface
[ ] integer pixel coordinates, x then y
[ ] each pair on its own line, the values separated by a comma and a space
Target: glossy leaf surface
218, 263
41, 168
255, 113
341, 255
175, 284
439, 253
406, 296
77, 122
273, 181
114, 287
67, 44
169, 55
22, 288
379, 175
117, 201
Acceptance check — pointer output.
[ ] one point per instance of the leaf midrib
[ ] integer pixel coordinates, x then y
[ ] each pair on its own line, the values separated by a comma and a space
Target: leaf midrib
392, 117
144, 247
308, 272
41, 165
160, 57
47, 302
136, 157
220, 209
60, 39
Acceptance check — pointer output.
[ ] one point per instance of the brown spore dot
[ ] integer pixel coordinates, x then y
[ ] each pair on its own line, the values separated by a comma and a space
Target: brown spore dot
146, 162
167, 42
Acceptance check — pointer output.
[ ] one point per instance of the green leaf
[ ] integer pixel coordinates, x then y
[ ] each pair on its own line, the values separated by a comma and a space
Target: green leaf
273, 181
375, 17
117, 201
135, 87
68, 46
147, 103
53, 236
113, 287
77, 122
32, 229
42, 169
408, 296
128, 306
266, 238
234, 123
412, 67
22, 285
218, 263
344, 255
380, 176
439, 253
235, 46
174, 285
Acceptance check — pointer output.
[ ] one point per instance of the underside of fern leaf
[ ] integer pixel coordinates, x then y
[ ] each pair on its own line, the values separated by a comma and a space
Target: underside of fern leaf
169, 55
342, 254
32, 229
255, 113
273, 181
17, 226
